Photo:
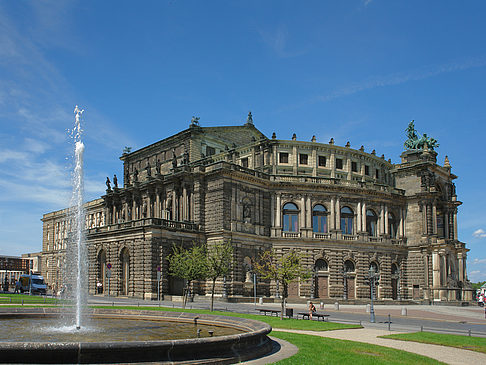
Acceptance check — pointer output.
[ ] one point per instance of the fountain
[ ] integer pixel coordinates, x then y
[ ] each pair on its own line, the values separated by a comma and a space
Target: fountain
77, 249
115, 335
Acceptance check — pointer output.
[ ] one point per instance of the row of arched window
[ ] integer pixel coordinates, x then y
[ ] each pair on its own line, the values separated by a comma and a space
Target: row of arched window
349, 267
320, 220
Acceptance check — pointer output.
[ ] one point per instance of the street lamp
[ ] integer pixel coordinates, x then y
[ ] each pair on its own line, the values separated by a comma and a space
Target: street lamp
397, 275
225, 289
373, 279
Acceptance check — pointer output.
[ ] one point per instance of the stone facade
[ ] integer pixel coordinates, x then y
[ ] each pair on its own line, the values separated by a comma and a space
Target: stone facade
344, 209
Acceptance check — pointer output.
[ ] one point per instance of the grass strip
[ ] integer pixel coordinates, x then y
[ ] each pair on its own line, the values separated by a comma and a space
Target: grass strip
320, 350
477, 344
29, 299
286, 323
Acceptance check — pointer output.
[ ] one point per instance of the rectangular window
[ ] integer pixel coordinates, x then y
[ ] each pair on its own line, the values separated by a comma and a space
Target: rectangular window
244, 162
354, 166
377, 173
303, 159
339, 163
284, 157
210, 151
367, 170
322, 161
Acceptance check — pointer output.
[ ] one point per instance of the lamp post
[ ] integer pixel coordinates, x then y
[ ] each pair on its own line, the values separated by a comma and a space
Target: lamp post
373, 278
225, 289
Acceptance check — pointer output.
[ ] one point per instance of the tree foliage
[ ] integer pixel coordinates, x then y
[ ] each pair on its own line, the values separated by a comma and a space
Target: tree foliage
188, 264
219, 263
283, 269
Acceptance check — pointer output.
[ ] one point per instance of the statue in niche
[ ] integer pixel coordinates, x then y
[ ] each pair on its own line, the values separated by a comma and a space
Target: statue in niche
108, 182
247, 267
144, 209
115, 181
186, 157
135, 175
246, 212
174, 158
157, 166
148, 169
127, 178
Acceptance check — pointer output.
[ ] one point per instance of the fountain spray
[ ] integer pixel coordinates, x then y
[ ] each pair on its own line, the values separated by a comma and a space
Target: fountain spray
78, 250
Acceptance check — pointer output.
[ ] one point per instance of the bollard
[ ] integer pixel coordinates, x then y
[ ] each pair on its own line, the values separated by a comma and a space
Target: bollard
469, 332
389, 322
368, 308
260, 300
404, 311
138, 304
112, 304
336, 306
321, 306
421, 328
22, 301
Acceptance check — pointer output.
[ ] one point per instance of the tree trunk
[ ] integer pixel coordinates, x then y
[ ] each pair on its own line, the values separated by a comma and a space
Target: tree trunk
212, 294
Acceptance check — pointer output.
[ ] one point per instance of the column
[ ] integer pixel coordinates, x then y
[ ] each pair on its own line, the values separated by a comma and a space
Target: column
278, 212
149, 206
455, 224
381, 220
113, 217
359, 224
446, 224
434, 218
134, 209
184, 203
332, 224
157, 204
348, 167
461, 268
363, 217
272, 210
332, 164
338, 214
386, 220
309, 213
435, 269
400, 222
174, 210
302, 213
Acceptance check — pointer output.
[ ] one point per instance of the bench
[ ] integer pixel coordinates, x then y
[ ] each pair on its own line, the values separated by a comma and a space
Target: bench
271, 311
289, 312
317, 315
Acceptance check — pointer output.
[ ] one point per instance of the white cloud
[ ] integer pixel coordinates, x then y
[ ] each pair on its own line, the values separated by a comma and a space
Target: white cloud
402, 77
479, 233
478, 261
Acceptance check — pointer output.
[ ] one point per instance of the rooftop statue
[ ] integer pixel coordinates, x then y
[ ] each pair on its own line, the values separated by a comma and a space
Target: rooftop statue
414, 142
195, 121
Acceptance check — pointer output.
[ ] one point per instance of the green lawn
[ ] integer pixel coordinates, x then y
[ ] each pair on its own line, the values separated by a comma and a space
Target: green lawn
27, 299
318, 350
286, 323
463, 342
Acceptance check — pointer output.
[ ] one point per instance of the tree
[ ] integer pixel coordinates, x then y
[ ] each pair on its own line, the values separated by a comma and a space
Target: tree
189, 264
283, 268
220, 263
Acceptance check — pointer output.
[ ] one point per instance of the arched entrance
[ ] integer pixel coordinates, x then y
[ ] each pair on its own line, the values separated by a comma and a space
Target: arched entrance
349, 280
125, 271
101, 272
321, 282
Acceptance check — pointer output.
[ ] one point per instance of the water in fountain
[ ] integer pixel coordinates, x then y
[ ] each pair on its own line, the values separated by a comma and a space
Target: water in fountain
76, 263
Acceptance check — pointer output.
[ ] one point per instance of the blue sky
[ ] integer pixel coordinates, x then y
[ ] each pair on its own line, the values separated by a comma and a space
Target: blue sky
357, 71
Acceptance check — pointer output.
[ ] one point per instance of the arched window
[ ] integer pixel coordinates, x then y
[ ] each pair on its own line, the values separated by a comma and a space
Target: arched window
375, 266
349, 266
347, 216
392, 225
321, 265
319, 219
290, 218
394, 269
371, 223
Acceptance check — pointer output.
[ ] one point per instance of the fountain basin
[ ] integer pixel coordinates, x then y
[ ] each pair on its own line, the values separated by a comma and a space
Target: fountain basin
252, 342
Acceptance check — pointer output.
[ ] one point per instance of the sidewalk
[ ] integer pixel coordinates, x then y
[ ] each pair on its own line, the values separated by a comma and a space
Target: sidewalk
448, 355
